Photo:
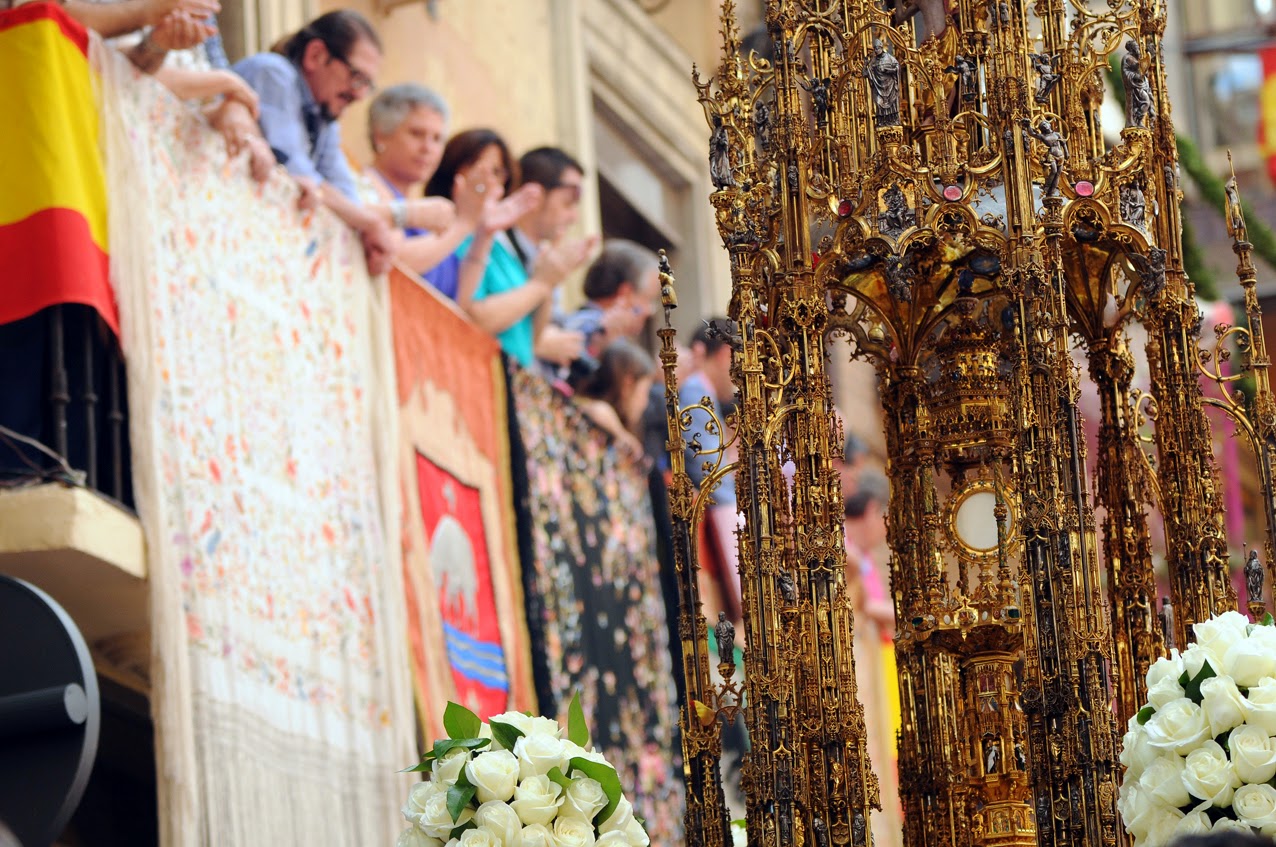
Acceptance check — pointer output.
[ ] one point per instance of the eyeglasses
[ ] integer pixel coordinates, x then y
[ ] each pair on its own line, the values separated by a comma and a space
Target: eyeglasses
359, 81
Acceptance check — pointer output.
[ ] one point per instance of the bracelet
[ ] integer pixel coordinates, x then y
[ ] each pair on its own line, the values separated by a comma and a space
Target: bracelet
399, 214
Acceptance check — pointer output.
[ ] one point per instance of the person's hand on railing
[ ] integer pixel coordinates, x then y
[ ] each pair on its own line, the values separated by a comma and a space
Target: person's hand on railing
157, 10
238, 126
380, 244
309, 197
430, 213
179, 31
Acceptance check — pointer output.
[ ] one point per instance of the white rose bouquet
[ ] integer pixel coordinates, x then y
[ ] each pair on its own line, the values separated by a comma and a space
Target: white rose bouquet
1201, 755
516, 781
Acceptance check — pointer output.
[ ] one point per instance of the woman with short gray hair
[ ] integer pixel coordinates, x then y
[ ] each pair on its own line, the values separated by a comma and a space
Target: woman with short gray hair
407, 126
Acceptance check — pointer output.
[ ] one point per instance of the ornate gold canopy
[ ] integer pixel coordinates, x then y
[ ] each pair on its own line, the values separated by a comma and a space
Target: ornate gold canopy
932, 181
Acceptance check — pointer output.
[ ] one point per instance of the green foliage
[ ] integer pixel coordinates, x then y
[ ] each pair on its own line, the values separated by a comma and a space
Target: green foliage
505, 734
1192, 685
460, 722
460, 795
557, 775
577, 728
446, 745
1145, 714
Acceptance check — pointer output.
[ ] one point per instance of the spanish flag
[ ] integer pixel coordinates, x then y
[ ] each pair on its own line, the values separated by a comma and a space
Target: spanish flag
53, 233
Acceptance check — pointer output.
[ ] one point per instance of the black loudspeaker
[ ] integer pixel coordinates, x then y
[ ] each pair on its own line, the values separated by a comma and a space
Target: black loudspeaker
50, 714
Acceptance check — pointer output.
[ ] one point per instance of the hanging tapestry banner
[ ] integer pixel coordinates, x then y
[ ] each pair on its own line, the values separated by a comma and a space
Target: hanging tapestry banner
461, 575
594, 601
282, 698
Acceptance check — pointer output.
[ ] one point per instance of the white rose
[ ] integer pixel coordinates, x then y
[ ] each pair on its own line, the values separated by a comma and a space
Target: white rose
1166, 667
1260, 705
478, 838
1165, 827
518, 720
739, 837
501, 821
494, 773
573, 832
1256, 805
537, 799
418, 796
1250, 660
538, 835
1193, 823
539, 754
1209, 775
1219, 633
572, 750
1136, 752
1196, 657
618, 839
544, 726
619, 817
1165, 690
447, 769
1179, 726
1223, 704
1253, 753
414, 837
636, 834
436, 821
585, 798
1139, 809
1229, 825
1163, 779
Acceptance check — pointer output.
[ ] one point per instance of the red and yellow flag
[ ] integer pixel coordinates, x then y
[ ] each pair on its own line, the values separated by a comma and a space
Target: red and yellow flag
53, 228
1267, 104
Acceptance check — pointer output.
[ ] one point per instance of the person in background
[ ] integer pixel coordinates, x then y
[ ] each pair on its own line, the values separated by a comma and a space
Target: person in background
615, 395
328, 64
711, 378
864, 527
850, 464
622, 288
512, 299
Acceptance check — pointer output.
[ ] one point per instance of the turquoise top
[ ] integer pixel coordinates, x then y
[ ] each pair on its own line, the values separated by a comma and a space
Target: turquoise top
505, 273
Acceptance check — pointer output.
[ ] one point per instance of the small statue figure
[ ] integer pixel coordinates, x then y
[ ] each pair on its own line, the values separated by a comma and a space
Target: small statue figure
1254, 578
1021, 760
792, 173
1056, 153
1133, 205
1151, 269
859, 829
725, 631
668, 294
1171, 179
818, 88
1047, 76
1003, 13
1235, 213
977, 825
967, 74
720, 156
897, 216
899, 278
882, 71
762, 124
1138, 91
992, 757
788, 590
1167, 623
821, 832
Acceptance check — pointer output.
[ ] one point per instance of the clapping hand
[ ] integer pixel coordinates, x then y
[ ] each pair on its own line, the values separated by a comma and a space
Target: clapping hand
181, 31
158, 10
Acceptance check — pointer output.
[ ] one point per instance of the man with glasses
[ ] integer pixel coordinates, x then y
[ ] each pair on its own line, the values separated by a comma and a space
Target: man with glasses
304, 87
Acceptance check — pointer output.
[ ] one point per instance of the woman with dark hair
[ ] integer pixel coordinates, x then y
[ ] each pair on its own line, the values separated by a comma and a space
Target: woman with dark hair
475, 172
616, 394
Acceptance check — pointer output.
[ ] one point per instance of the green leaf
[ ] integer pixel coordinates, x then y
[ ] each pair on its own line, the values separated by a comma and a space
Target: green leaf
446, 745
456, 831
1192, 687
424, 766
460, 722
458, 797
505, 733
577, 729
607, 778
1268, 620
1222, 740
741, 822
557, 775
1145, 714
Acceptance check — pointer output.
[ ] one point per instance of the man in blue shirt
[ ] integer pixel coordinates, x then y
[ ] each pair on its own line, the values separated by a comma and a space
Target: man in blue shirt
304, 87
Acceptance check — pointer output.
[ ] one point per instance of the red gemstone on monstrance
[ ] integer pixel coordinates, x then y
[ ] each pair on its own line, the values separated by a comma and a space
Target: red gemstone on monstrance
952, 192
1085, 188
